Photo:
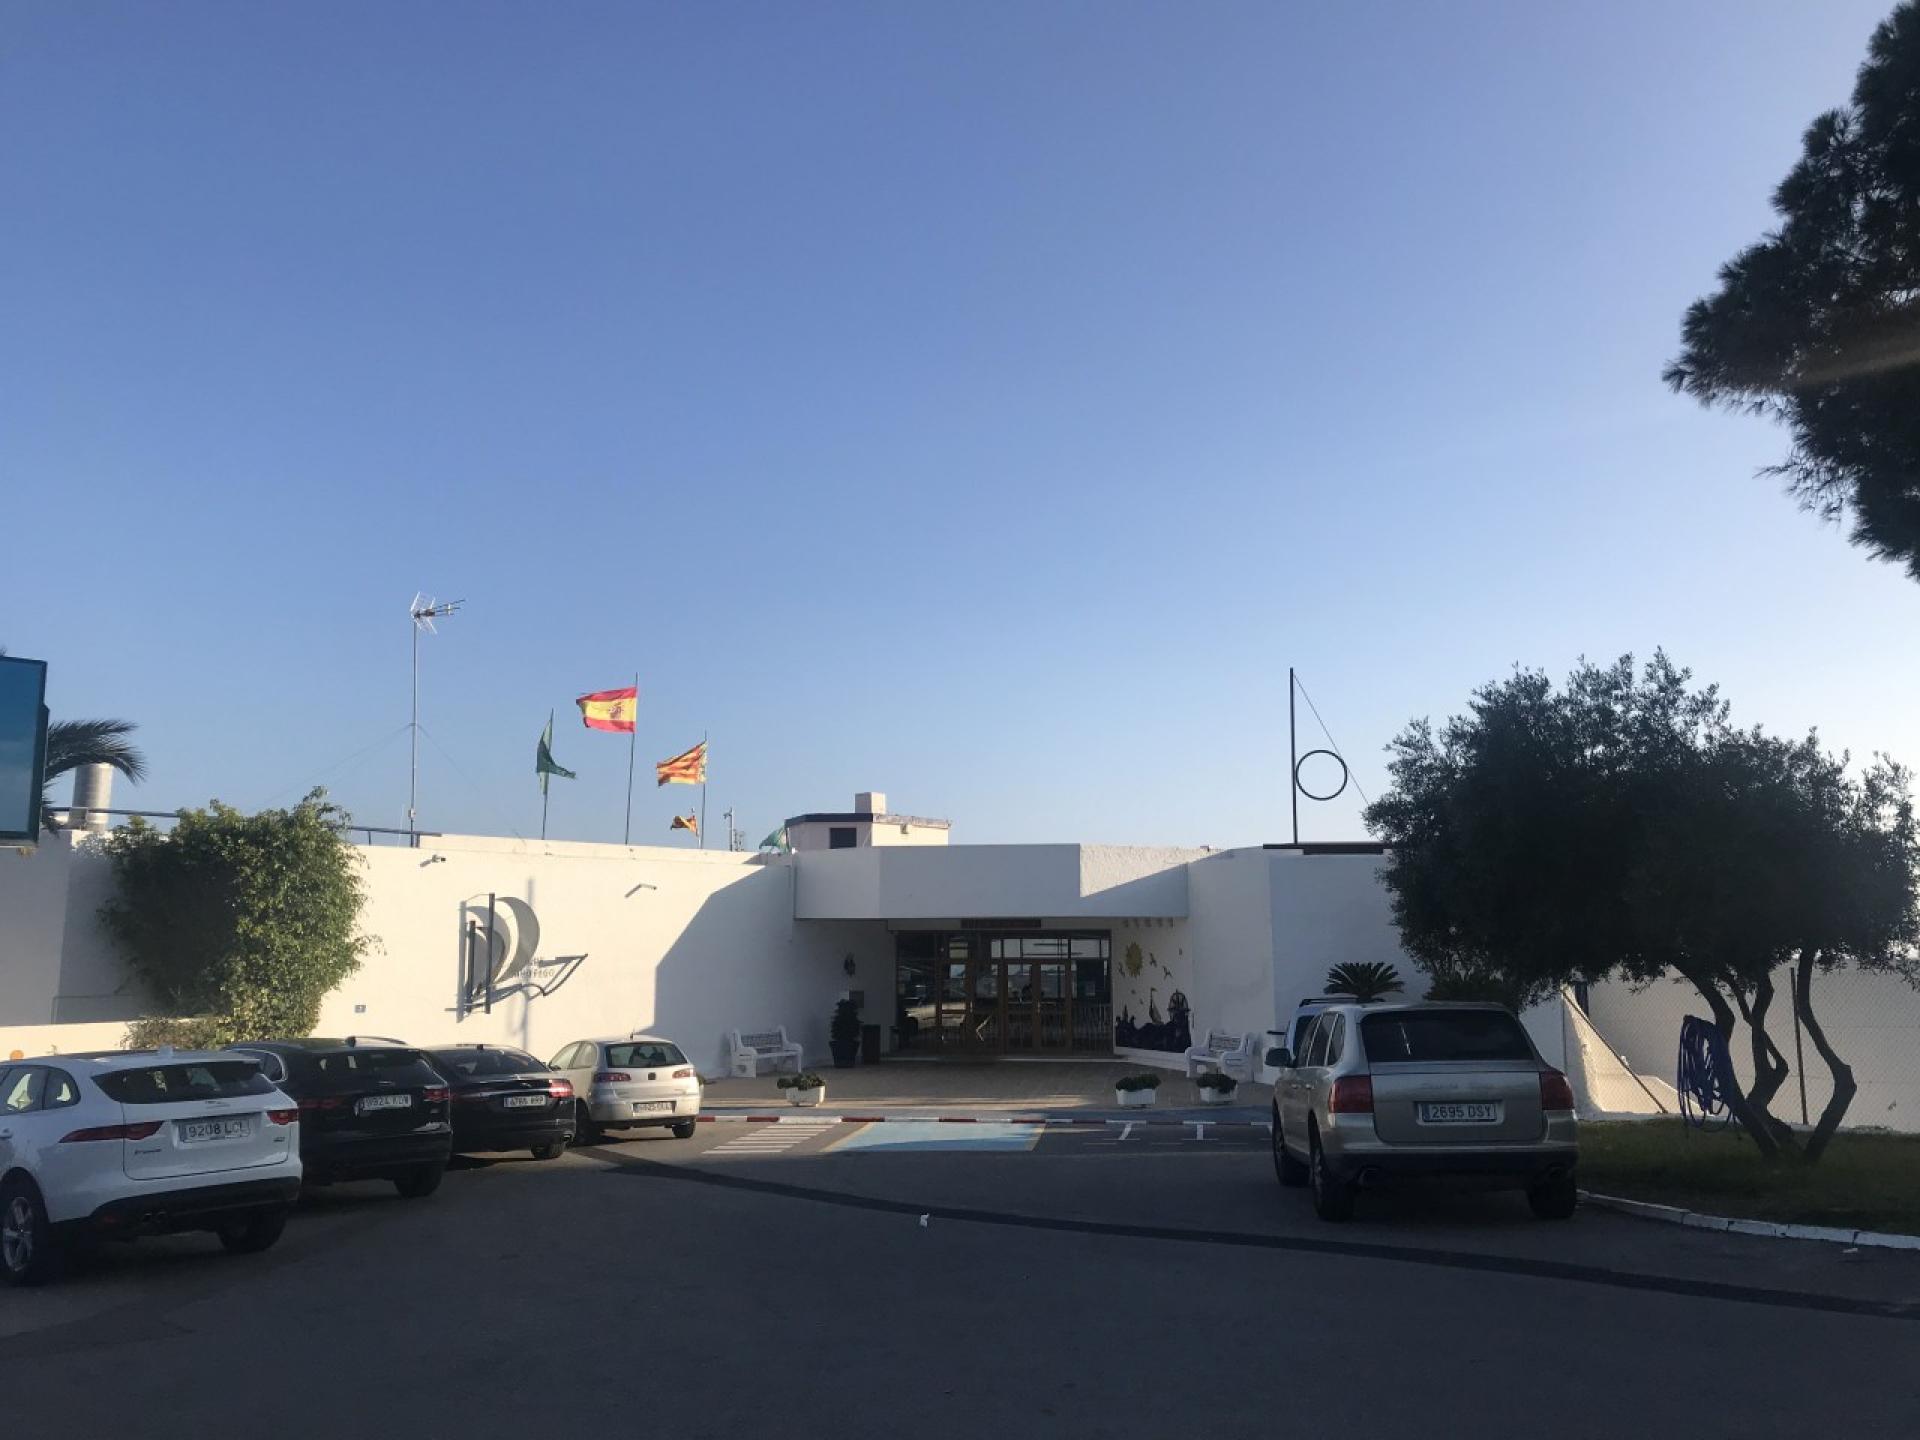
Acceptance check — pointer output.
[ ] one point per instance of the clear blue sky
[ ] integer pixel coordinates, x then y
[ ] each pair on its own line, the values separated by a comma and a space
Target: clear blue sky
982, 402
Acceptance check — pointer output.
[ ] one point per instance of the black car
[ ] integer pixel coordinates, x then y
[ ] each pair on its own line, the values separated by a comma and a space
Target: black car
370, 1109
505, 1100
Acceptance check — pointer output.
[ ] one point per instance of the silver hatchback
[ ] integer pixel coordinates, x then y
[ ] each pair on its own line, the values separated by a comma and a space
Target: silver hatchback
641, 1082
1378, 1092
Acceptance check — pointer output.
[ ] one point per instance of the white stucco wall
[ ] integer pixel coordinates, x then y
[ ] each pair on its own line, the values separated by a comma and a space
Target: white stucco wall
688, 943
56, 963
1233, 939
939, 882
1327, 910
1872, 1020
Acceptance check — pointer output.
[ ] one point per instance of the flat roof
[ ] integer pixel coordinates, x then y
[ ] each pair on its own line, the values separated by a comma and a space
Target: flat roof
850, 817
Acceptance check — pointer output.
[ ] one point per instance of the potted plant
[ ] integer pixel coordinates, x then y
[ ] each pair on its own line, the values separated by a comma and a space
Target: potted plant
1215, 1087
806, 1088
844, 1038
1136, 1092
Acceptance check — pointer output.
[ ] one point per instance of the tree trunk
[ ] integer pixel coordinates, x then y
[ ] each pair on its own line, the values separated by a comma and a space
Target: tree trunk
1770, 1068
1753, 1121
1844, 1088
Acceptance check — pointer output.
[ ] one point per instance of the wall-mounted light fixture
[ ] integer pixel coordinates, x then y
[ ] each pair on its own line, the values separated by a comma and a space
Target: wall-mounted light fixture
847, 964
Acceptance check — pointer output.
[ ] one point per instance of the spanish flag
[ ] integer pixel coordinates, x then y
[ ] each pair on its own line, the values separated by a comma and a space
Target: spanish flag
610, 709
689, 767
688, 821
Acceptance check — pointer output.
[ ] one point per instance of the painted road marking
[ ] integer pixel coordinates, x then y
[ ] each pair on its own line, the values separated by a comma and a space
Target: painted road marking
939, 1135
772, 1139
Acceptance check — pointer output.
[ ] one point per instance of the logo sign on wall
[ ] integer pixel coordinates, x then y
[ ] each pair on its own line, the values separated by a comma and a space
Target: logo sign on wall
499, 944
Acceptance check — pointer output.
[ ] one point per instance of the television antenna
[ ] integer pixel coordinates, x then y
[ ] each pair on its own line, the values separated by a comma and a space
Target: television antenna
424, 611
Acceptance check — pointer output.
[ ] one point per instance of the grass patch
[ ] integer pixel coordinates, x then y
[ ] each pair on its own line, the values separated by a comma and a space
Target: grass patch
1863, 1182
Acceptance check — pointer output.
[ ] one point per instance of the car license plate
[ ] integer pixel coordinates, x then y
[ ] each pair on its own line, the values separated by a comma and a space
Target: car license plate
525, 1102
192, 1132
1460, 1112
643, 1105
368, 1103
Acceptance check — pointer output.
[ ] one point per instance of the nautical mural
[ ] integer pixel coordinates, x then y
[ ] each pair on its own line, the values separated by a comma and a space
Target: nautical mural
1153, 1011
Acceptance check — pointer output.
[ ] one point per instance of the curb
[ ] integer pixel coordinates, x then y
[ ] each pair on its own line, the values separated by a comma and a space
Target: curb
1767, 1229
754, 1118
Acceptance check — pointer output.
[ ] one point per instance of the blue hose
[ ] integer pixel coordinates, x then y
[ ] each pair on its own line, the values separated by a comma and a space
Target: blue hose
1705, 1076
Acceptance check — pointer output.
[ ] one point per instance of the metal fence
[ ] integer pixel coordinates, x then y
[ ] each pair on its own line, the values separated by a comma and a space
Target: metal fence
1872, 1020
67, 820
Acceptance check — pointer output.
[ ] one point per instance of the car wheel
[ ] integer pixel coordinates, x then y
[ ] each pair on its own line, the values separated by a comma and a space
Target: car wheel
418, 1183
549, 1150
683, 1129
585, 1132
1332, 1196
252, 1233
1556, 1199
27, 1254
1292, 1173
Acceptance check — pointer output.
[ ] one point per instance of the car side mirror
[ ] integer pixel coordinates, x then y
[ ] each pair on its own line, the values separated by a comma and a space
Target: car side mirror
1279, 1058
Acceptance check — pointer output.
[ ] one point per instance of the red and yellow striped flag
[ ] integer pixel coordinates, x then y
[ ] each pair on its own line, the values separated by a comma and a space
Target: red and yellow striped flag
688, 821
689, 767
610, 709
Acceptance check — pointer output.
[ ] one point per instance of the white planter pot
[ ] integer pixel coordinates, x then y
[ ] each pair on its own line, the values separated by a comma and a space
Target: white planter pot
1134, 1099
1216, 1097
807, 1097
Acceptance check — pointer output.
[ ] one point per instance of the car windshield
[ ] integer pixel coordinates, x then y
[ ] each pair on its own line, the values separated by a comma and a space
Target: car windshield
644, 1052
337, 1063
200, 1080
1444, 1035
477, 1062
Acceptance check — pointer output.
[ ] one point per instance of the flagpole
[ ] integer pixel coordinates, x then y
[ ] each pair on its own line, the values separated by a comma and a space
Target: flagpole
544, 779
633, 738
705, 756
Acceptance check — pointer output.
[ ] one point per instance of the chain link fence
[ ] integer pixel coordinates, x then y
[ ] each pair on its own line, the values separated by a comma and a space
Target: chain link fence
1872, 1020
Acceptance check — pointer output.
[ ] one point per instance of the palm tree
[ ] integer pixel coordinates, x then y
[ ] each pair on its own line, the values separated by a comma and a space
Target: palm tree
73, 743
1364, 980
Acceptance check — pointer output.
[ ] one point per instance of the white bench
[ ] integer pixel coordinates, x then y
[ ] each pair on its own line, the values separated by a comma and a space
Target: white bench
748, 1048
1224, 1051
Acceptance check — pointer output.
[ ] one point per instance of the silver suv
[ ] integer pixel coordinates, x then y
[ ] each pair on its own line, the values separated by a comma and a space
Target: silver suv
1383, 1091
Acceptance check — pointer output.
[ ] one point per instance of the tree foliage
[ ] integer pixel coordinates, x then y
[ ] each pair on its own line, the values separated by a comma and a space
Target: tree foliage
1818, 324
1364, 980
242, 923
1621, 826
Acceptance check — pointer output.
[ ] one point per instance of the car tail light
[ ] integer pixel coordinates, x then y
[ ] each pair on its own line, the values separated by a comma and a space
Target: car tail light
434, 1095
683, 1074
322, 1102
114, 1132
283, 1117
1352, 1095
560, 1089
611, 1077
1555, 1092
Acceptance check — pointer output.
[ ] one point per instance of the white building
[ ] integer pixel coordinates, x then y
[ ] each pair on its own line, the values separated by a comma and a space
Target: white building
952, 949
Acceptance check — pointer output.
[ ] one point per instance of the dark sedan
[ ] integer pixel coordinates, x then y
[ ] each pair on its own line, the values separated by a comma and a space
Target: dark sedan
505, 1100
370, 1109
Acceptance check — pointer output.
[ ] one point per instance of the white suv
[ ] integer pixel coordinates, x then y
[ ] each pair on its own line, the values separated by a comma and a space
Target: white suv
143, 1142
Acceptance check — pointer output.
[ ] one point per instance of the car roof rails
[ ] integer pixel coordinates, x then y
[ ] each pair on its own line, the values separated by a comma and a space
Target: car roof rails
354, 1040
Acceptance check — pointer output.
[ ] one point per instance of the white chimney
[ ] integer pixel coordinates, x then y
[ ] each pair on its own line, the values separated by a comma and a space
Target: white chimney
870, 802
92, 794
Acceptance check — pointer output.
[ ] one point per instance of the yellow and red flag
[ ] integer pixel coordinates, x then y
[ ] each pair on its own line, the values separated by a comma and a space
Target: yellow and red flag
688, 821
610, 709
689, 767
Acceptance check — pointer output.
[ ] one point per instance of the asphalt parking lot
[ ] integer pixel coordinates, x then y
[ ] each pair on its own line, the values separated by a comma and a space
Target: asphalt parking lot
1077, 1285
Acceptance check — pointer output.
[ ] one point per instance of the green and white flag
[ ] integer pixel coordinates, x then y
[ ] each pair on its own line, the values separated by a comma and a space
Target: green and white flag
543, 762
777, 841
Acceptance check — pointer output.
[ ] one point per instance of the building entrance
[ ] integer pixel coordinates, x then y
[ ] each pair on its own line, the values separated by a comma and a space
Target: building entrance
987, 992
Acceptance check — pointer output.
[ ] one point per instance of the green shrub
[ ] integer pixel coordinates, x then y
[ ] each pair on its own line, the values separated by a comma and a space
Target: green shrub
1145, 1080
1214, 1080
805, 1080
238, 924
